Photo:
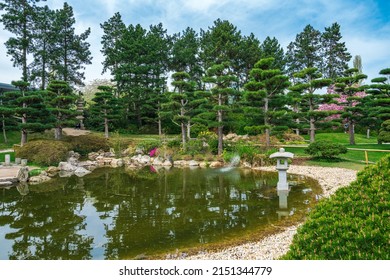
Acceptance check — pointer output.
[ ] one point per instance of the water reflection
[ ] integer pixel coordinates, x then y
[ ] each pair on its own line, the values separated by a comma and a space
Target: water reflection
119, 213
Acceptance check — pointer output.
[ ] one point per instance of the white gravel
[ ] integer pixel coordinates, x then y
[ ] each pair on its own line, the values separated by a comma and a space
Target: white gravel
275, 246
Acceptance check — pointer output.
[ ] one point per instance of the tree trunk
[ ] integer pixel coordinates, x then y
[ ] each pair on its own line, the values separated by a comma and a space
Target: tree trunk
106, 128
159, 127
220, 127
368, 133
267, 130
23, 139
351, 133
58, 133
189, 130
4, 131
183, 129
312, 124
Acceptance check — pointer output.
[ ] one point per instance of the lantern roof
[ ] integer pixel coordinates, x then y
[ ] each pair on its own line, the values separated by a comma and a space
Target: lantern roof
282, 154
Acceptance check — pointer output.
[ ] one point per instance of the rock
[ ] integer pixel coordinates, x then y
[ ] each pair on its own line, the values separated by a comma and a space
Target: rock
145, 159
216, 164
246, 164
66, 166
179, 163
139, 151
89, 164
158, 161
203, 164
52, 171
39, 179
81, 171
117, 162
23, 174
92, 156
167, 163
193, 163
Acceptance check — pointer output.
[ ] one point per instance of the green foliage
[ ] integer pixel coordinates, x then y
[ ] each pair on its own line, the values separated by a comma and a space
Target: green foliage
44, 152
148, 145
325, 149
195, 147
384, 133
352, 224
85, 144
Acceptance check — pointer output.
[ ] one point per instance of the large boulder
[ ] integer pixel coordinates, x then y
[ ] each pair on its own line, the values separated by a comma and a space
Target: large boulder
81, 171
66, 166
117, 162
39, 179
216, 164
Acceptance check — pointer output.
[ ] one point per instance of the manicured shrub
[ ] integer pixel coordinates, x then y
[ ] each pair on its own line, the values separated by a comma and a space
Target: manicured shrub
351, 224
325, 149
85, 144
384, 133
44, 152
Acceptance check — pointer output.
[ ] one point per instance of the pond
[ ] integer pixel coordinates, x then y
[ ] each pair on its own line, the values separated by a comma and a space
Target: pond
126, 213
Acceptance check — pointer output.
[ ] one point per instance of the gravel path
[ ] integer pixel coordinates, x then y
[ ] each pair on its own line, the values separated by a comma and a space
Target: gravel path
275, 246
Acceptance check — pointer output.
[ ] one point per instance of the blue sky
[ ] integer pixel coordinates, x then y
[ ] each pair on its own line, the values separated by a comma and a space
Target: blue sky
365, 24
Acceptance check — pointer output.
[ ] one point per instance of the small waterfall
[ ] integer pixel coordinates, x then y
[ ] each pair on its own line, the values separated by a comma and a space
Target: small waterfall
233, 163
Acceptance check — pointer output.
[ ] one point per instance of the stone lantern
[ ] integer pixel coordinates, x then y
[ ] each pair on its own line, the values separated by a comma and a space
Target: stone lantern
282, 165
80, 111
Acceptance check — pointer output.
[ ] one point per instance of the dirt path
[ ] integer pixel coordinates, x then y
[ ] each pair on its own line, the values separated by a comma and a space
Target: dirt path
75, 132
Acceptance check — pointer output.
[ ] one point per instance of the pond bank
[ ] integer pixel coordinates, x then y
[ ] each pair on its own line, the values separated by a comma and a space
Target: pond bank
276, 245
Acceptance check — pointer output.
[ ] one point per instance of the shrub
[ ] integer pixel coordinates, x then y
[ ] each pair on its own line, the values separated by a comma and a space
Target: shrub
85, 144
44, 152
352, 224
384, 133
292, 138
147, 146
325, 149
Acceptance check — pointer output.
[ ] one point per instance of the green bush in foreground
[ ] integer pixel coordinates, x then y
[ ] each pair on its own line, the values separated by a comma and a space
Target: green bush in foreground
325, 149
351, 224
44, 152
85, 144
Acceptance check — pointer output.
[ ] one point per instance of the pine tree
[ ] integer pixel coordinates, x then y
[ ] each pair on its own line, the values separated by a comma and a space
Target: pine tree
106, 107
29, 108
43, 46
267, 88
335, 54
221, 78
376, 105
305, 51
185, 55
271, 48
61, 102
18, 19
349, 86
71, 51
304, 91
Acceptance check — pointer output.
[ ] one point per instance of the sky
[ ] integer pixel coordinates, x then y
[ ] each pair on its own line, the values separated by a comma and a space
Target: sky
365, 24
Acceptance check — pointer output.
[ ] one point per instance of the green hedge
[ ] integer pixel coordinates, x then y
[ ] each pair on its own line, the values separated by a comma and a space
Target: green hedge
354, 223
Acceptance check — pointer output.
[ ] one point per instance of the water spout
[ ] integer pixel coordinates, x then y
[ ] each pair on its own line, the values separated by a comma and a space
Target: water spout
233, 163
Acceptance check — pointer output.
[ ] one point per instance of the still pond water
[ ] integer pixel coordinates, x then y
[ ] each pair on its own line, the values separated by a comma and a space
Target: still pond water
121, 214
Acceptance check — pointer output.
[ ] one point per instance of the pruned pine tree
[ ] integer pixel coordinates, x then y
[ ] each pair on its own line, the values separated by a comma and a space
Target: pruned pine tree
349, 86
266, 87
29, 108
376, 105
180, 104
106, 107
305, 93
221, 79
61, 102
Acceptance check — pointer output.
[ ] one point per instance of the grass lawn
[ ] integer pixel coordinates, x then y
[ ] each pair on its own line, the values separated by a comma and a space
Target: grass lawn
343, 138
13, 137
2, 156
